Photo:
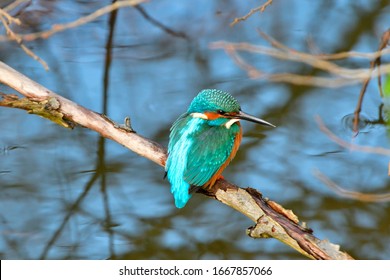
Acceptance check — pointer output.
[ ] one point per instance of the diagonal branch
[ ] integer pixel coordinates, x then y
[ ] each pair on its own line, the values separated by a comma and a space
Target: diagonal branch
80, 21
366, 197
271, 219
348, 145
251, 12
6, 20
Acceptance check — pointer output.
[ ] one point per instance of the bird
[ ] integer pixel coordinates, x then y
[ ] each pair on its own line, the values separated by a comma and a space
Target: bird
203, 141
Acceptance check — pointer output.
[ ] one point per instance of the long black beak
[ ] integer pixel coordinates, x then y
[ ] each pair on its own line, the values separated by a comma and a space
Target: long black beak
244, 116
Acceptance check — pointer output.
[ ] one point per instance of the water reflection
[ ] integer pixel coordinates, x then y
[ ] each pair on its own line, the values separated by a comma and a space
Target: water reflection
364, 124
71, 195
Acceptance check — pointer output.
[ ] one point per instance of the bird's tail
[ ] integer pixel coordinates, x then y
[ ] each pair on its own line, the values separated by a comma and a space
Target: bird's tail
181, 194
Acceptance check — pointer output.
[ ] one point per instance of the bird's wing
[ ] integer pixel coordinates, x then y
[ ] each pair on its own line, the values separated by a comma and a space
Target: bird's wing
176, 133
177, 128
209, 151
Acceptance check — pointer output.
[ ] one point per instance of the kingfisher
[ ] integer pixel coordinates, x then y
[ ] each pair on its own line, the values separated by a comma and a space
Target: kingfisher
203, 141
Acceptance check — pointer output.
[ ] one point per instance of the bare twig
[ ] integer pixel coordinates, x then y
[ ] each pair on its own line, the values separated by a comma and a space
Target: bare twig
376, 62
366, 197
271, 219
348, 145
10, 18
385, 39
341, 76
297, 79
251, 12
159, 24
366, 149
83, 20
15, 4
13, 36
322, 56
6, 19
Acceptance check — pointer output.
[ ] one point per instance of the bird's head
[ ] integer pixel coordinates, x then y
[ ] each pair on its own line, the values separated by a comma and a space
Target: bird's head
220, 108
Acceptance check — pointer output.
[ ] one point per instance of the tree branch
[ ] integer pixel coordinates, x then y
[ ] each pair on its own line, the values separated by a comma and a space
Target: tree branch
374, 63
271, 219
82, 20
251, 12
366, 197
351, 146
6, 19
337, 76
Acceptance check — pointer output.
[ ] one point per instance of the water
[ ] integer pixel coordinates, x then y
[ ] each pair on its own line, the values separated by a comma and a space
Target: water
67, 194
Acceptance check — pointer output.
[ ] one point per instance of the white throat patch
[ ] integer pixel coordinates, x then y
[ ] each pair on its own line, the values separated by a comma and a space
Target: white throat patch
204, 117
231, 122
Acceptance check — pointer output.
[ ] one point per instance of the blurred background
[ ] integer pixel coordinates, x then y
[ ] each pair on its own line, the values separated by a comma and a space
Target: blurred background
68, 194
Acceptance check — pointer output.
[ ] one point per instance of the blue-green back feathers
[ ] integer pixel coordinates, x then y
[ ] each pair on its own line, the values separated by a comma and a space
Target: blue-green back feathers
180, 142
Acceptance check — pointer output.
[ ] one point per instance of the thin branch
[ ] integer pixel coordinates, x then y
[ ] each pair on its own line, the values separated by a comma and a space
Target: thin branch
10, 18
81, 21
19, 38
6, 19
324, 56
376, 62
270, 218
366, 149
366, 197
341, 76
353, 147
251, 12
385, 39
159, 24
296, 79
344, 76
16, 4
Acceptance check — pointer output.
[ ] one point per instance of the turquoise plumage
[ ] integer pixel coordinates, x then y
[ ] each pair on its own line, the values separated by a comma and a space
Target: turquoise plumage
203, 141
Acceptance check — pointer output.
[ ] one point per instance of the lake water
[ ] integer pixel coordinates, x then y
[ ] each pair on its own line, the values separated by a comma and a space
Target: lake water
68, 194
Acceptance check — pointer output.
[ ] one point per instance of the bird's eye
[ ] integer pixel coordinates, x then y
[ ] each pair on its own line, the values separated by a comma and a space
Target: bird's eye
221, 112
